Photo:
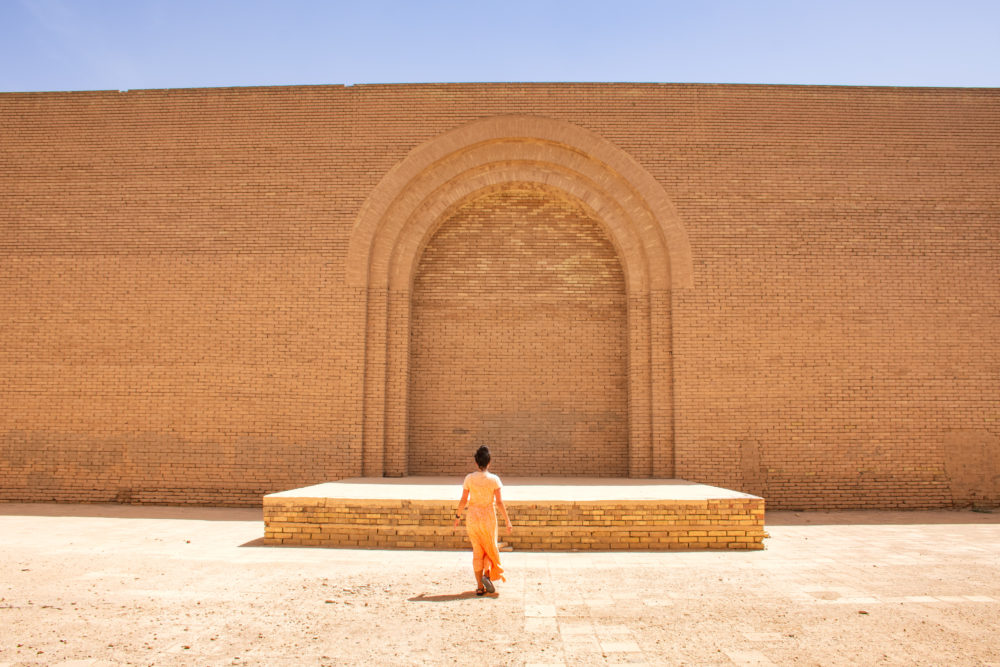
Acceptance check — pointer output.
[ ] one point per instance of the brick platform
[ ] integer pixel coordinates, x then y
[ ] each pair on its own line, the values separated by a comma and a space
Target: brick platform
548, 514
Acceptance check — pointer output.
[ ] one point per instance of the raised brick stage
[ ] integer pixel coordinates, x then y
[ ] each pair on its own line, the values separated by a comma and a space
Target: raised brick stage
558, 514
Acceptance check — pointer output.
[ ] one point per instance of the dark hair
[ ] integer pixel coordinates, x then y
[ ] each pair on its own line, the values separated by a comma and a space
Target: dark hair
483, 456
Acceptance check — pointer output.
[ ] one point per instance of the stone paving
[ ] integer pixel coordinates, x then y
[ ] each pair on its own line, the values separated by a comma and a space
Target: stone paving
103, 585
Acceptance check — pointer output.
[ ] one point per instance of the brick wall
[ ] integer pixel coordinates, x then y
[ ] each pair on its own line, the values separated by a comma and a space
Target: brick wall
518, 341
555, 525
175, 325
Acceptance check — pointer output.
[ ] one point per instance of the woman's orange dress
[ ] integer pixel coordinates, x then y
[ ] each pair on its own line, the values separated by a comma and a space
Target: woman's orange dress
481, 523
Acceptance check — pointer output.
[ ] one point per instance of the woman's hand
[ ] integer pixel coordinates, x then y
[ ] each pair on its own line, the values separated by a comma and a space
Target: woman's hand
458, 520
510, 528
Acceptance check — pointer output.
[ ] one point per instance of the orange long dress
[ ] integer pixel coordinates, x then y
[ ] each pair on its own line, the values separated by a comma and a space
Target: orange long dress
481, 523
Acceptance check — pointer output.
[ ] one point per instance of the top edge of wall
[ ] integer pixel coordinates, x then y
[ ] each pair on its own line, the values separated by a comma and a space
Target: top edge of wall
501, 85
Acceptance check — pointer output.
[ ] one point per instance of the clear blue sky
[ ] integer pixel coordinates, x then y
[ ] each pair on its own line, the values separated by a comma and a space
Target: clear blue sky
127, 44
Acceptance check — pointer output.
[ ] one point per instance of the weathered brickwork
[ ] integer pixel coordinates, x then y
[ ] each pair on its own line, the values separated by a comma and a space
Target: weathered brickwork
149, 378
544, 526
207, 295
519, 341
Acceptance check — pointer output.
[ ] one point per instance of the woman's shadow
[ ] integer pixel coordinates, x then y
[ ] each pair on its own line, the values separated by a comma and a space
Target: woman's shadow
423, 597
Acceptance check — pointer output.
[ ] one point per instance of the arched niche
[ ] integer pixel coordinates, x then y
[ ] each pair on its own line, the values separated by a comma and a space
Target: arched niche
412, 200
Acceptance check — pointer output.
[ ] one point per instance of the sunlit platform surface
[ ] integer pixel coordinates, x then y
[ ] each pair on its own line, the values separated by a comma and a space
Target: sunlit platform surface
557, 514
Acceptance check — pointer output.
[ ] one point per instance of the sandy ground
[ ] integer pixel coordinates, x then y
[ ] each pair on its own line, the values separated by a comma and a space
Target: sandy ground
99, 585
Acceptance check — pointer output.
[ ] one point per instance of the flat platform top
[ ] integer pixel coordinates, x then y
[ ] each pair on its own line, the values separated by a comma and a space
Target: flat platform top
523, 489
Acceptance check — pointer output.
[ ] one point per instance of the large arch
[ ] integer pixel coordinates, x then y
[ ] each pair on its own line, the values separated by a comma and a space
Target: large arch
412, 200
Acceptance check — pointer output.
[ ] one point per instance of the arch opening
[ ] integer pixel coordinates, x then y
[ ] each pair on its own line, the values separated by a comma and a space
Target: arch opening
519, 340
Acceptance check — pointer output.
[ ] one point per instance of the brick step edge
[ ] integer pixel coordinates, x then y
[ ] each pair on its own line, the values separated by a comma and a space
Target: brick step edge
562, 538
577, 530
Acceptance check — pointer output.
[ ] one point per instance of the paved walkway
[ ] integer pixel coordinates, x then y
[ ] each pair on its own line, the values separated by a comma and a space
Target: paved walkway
96, 585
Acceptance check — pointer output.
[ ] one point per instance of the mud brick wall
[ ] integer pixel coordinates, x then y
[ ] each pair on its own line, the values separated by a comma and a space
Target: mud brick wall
178, 322
519, 341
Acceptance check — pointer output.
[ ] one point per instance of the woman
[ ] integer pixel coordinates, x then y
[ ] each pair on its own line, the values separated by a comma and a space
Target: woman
479, 492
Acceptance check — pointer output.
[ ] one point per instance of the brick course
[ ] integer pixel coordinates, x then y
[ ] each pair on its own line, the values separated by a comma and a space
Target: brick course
519, 341
182, 318
542, 526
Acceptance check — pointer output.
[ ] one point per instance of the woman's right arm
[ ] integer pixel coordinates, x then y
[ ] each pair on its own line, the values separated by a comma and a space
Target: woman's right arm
503, 510
461, 504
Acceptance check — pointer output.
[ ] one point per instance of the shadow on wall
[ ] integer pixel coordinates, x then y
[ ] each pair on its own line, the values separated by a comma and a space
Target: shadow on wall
752, 468
102, 510
162, 468
972, 463
881, 517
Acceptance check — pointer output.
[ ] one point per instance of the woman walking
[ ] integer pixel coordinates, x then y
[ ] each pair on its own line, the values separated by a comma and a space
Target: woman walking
480, 491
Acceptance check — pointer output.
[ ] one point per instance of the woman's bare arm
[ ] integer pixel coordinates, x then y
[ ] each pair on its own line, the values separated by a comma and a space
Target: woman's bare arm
461, 504
503, 510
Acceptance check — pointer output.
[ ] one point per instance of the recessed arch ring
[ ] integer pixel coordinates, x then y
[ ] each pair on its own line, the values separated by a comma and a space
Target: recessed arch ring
613, 175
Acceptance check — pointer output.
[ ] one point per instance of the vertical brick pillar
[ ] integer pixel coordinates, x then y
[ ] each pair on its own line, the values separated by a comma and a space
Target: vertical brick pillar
373, 449
398, 384
639, 390
662, 383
